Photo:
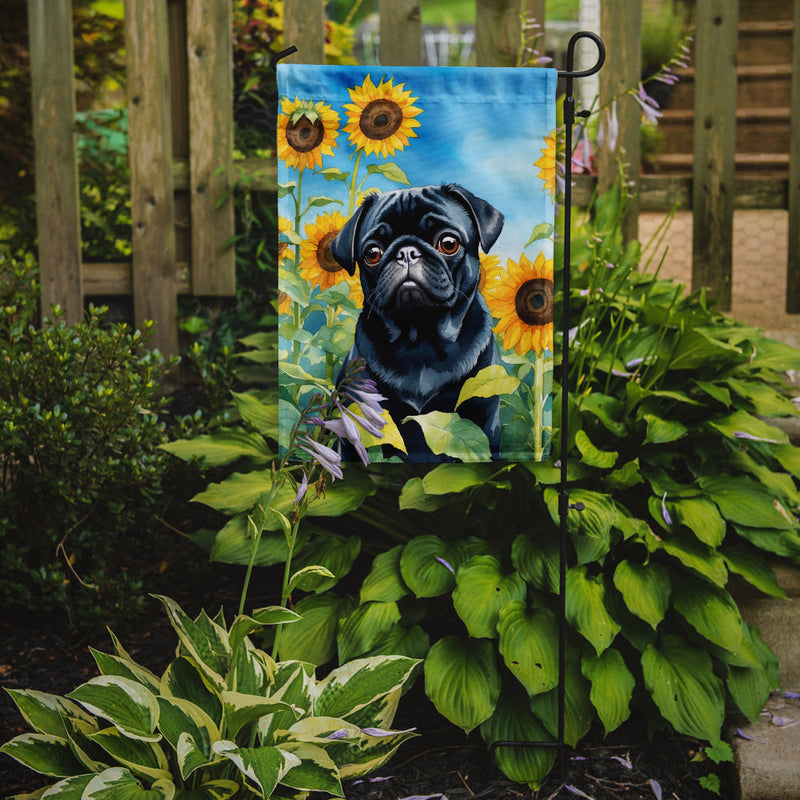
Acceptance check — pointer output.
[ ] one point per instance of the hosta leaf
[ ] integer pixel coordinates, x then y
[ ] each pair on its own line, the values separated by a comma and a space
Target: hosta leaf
365, 627
237, 493
334, 553
578, 710
413, 497
44, 712
263, 766
117, 783
601, 459
537, 560
462, 680
178, 717
782, 543
645, 588
316, 771
233, 544
385, 581
313, 638
749, 687
663, 431
454, 478
740, 422
399, 640
489, 382
701, 517
454, 435
612, 687
183, 679
626, 476
44, 753
694, 554
481, 591
683, 685
529, 645
745, 502
424, 565
586, 608
695, 349
125, 668
244, 625
513, 721
212, 790
709, 609
259, 415
767, 401
126, 704
68, 789
145, 759
223, 446
609, 410
748, 562
358, 683
241, 709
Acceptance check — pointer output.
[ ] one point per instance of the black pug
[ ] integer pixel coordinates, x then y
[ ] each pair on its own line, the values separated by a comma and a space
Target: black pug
424, 327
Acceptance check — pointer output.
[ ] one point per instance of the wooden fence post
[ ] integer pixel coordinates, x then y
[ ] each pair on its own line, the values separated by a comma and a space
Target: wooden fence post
498, 32
714, 190
621, 29
400, 32
56, 161
304, 27
210, 55
793, 266
152, 200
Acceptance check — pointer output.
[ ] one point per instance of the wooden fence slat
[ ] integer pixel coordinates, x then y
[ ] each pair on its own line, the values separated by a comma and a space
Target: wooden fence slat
152, 200
304, 27
210, 56
498, 32
793, 265
621, 29
401, 33
717, 23
56, 160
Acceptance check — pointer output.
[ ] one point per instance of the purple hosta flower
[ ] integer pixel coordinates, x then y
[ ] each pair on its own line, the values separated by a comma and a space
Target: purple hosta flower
376, 779
608, 130
446, 564
655, 787
791, 695
328, 459
582, 154
577, 792
380, 732
626, 762
345, 428
664, 512
342, 733
742, 735
649, 106
752, 438
301, 489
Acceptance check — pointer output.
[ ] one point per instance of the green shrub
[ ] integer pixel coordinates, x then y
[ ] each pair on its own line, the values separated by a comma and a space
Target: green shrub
80, 470
223, 720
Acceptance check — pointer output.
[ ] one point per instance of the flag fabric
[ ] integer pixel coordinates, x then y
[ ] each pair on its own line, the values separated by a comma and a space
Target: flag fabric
416, 218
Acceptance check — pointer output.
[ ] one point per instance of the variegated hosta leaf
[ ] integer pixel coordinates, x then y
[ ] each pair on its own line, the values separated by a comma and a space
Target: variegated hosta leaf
212, 790
117, 783
126, 704
513, 721
125, 668
529, 645
646, 589
481, 591
190, 755
683, 685
586, 608
462, 680
294, 684
244, 625
316, 771
262, 766
205, 642
612, 687
45, 712
183, 679
242, 709
179, 718
358, 683
44, 753
68, 789
252, 670
145, 759
78, 733
373, 752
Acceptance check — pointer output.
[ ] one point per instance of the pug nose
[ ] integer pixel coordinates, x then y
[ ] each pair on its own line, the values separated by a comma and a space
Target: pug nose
408, 256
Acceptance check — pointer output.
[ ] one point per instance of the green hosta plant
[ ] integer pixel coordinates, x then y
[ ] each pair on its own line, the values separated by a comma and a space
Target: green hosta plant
224, 720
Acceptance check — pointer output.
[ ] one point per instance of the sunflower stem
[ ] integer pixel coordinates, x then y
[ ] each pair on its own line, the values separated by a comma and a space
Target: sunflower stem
353, 183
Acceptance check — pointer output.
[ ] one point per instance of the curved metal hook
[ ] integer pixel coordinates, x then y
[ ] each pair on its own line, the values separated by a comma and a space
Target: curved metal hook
273, 62
584, 73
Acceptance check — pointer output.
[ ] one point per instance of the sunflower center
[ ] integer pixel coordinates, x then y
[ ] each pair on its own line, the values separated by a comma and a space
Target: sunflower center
324, 257
534, 301
304, 135
380, 119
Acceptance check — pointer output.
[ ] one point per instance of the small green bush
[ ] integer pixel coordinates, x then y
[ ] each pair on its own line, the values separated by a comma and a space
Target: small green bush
79, 464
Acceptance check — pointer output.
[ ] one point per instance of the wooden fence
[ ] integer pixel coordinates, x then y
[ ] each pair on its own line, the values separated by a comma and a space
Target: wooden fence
181, 133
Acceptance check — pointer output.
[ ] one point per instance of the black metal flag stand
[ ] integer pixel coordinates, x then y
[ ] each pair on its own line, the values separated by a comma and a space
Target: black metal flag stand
564, 505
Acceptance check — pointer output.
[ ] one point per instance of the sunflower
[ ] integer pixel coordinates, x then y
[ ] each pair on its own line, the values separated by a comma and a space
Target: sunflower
490, 266
317, 264
306, 132
547, 162
284, 226
521, 298
381, 118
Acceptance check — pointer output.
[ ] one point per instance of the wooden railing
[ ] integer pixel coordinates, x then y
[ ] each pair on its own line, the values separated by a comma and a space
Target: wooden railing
181, 133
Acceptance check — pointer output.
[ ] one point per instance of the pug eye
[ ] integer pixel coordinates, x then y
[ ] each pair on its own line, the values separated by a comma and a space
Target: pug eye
372, 255
448, 244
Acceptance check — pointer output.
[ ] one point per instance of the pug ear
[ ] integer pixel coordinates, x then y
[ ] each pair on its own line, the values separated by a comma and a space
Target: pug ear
344, 245
488, 220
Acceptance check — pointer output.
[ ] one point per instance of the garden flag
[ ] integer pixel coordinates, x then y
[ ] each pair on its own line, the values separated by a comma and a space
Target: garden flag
416, 211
